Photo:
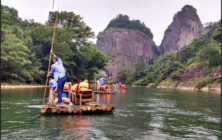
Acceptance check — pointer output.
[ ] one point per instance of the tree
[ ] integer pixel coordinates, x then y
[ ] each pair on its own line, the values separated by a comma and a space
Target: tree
14, 57
140, 68
26, 46
9, 16
123, 21
123, 74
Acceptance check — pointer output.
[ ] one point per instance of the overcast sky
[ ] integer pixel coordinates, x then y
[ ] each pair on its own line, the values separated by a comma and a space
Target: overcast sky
156, 14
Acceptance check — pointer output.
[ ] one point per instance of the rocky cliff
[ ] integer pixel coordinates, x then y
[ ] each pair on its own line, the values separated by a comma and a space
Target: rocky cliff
125, 47
185, 27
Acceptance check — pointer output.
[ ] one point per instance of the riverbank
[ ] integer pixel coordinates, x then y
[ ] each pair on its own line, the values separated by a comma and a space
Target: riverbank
20, 86
205, 89
190, 86
169, 84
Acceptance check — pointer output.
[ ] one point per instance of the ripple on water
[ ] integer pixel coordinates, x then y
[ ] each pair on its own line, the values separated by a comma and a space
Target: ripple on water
34, 106
15, 122
96, 133
201, 133
124, 113
154, 103
182, 112
30, 133
156, 135
212, 119
5, 108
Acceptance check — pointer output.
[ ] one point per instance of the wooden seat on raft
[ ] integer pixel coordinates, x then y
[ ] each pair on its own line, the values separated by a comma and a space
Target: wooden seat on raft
82, 97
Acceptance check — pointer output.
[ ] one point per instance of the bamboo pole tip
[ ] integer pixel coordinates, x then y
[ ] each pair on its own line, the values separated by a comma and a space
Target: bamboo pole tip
43, 109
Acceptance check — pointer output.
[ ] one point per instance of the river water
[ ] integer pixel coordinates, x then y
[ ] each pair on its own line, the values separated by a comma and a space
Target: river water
141, 113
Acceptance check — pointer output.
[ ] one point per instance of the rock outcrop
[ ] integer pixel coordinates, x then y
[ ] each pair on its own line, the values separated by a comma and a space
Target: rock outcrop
125, 47
185, 27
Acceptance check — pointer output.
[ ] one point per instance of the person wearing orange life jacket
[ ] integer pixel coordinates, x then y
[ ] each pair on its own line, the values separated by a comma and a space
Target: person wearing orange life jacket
65, 94
74, 86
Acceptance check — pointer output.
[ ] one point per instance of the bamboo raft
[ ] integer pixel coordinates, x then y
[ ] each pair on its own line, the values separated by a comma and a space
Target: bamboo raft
82, 103
90, 108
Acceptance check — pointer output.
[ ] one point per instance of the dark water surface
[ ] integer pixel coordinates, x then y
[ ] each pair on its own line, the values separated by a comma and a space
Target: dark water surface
141, 113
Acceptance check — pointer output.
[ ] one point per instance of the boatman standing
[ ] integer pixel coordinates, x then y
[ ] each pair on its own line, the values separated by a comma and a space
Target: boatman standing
59, 73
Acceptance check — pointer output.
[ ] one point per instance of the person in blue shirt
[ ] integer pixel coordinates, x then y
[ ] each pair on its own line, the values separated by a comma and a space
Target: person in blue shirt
53, 89
102, 81
59, 73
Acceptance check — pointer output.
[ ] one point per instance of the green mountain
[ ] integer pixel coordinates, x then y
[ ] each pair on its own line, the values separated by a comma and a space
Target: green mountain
123, 22
196, 66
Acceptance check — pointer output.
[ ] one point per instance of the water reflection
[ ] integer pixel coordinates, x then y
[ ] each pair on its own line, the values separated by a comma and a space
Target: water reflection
141, 113
103, 99
123, 91
66, 126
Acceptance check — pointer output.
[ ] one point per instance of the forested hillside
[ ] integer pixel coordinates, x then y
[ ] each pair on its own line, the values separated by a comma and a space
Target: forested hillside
25, 47
123, 22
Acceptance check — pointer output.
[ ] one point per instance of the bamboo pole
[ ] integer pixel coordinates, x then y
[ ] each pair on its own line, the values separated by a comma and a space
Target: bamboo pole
48, 110
59, 110
113, 109
43, 110
80, 111
104, 108
108, 108
99, 107
94, 108
84, 108
89, 108
69, 110
53, 109
64, 110
74, 110
52, 45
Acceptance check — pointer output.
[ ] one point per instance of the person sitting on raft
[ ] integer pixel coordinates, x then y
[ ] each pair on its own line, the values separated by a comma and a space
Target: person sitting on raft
65, 98
102, 81
98, 85
53, 89
74, 86
84, 85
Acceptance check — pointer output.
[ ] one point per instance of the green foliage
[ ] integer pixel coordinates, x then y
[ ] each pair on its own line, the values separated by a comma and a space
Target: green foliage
211, 55
204, 50
26, 46
141, 82
123, 74
9, 16
69, 20
201, 84
14, 57
176, 74
139, 69
123, 21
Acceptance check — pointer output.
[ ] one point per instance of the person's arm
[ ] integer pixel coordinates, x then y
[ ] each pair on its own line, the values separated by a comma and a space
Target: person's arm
55, 90
52, 53
59, 59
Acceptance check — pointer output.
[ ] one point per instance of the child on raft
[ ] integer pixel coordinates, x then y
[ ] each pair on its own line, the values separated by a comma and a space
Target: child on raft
53, 89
